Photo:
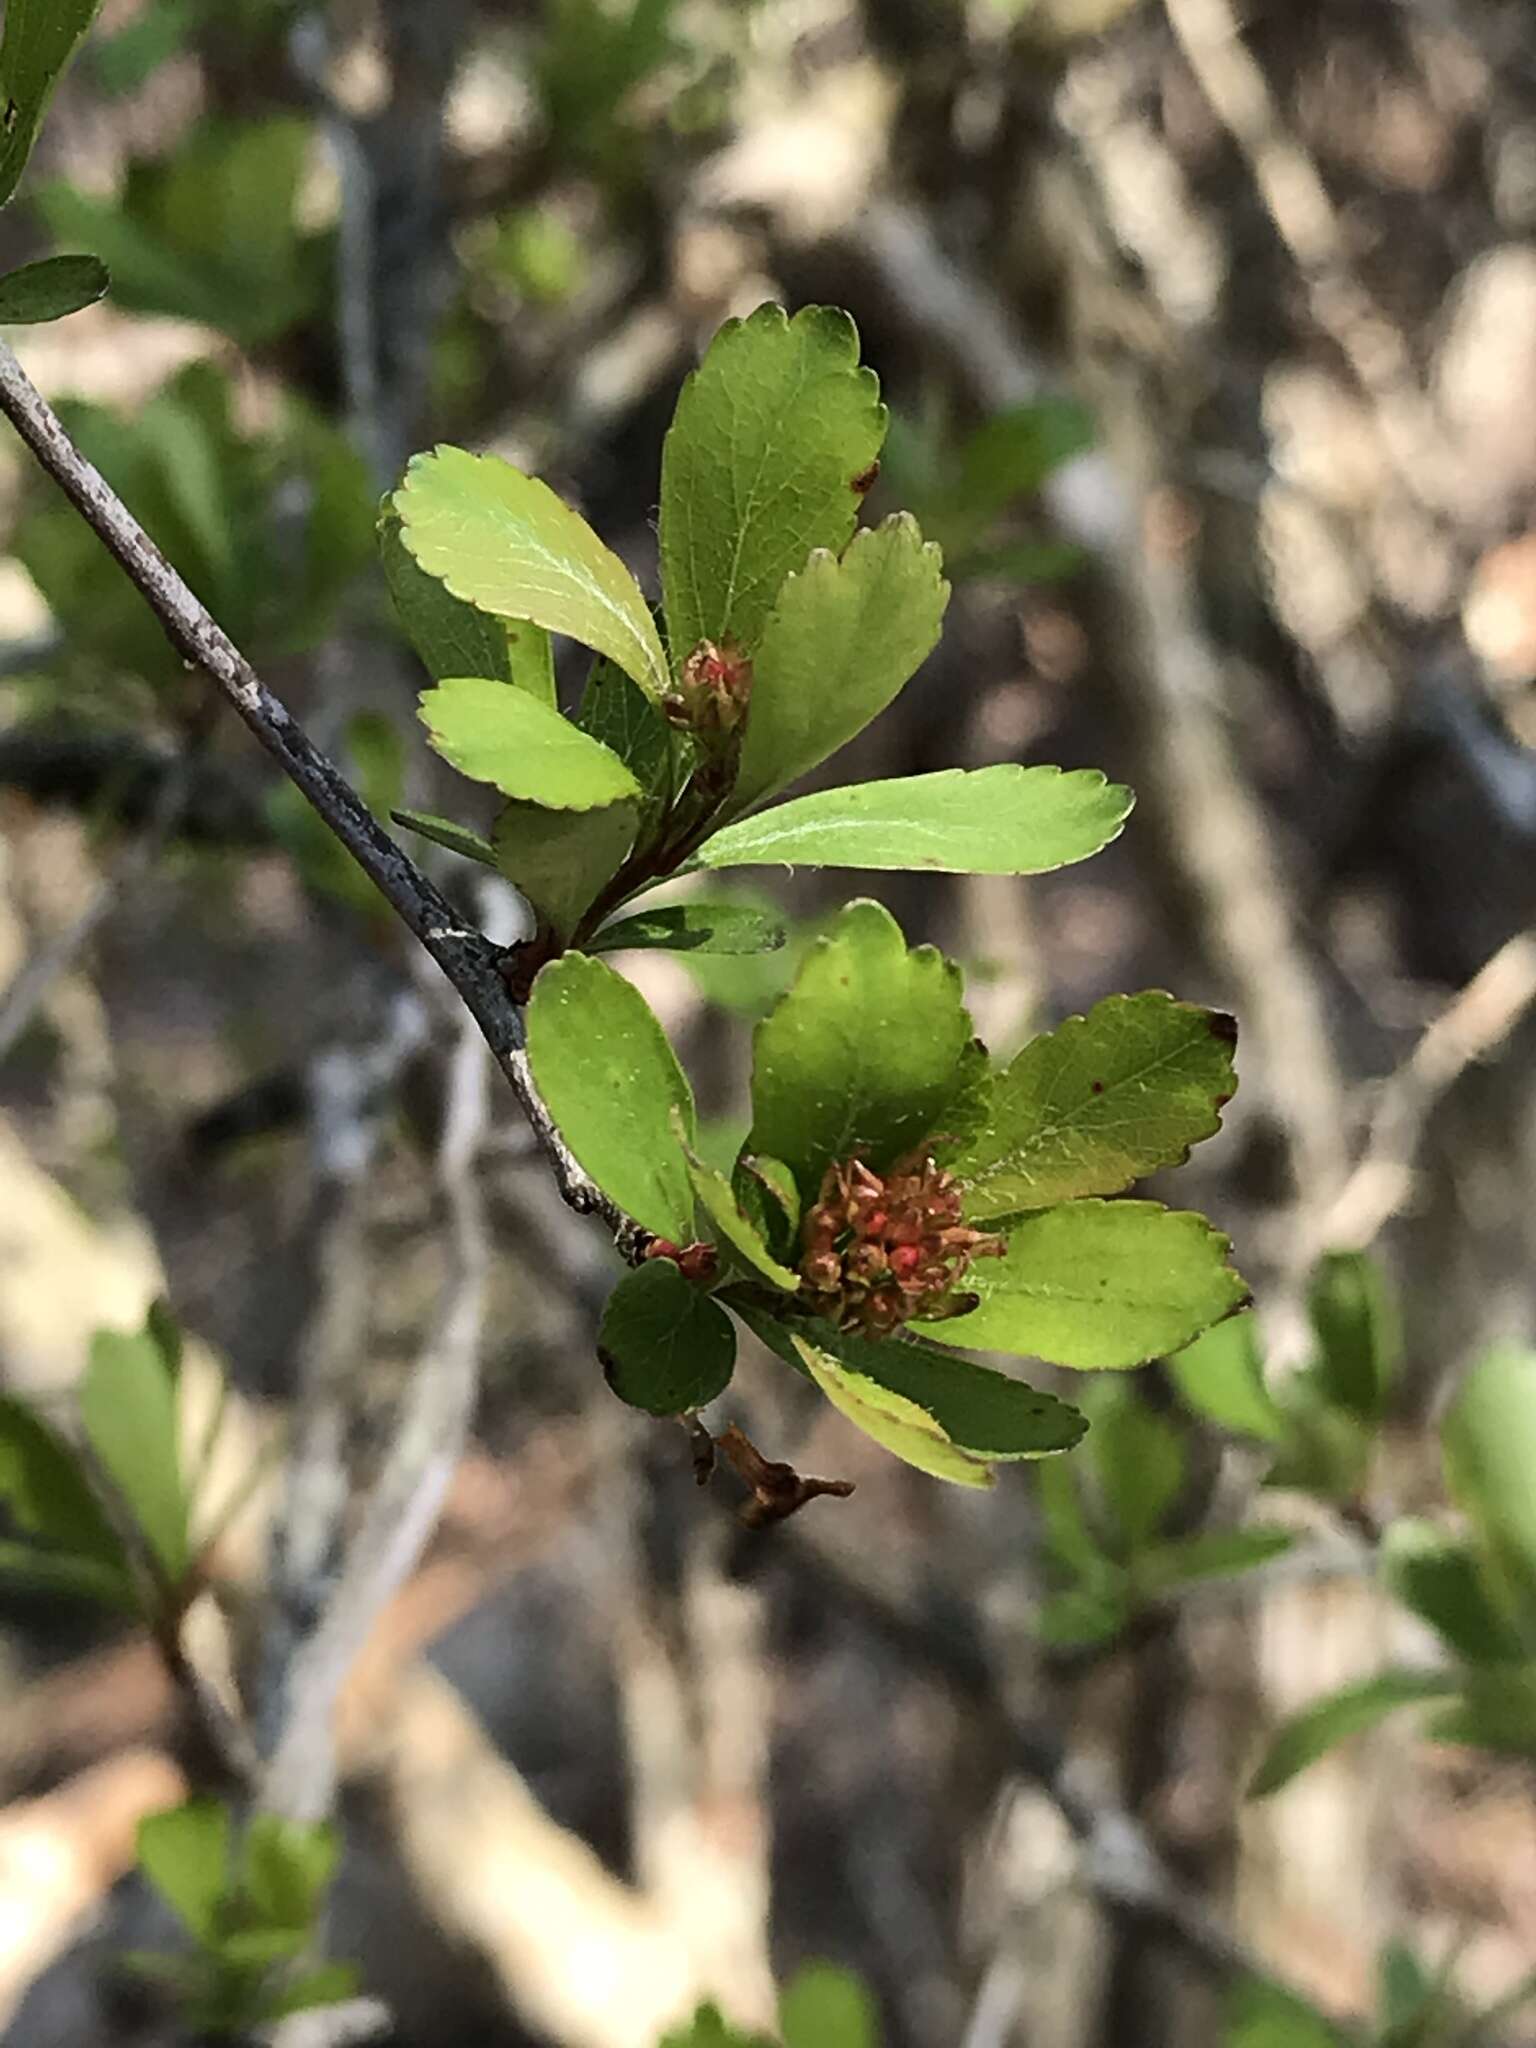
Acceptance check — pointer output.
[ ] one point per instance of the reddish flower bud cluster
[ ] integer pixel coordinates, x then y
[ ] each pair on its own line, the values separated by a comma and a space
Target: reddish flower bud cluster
881, 1250
695, 1262
713, 691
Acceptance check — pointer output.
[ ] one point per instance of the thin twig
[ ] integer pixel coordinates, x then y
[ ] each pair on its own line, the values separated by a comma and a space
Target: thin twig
466, 956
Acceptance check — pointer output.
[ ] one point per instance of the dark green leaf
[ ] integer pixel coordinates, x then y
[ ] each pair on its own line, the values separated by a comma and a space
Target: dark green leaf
185, 1854
983, 821
1497, 1711
1213, 1554
611, 1082
847, 632
1095, 1284
68, 1575
1094, 1105
39, 40
128, 1407
1329, 1721
287, 1866
1083, 1616
694, 928
708, 2029
495, 733
1139, 1456
618, 713
51, 289
504, 542
665, 1347
1261, 2015
1441, 1578
896, 1423
1358, 1338
772, 436
864, 1052
49, 1496
733, 1224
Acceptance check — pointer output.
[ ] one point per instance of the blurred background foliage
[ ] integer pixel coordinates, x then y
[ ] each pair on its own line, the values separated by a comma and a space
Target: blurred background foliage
1207, 340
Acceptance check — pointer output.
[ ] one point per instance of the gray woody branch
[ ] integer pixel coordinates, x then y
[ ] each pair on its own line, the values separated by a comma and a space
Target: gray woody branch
466, 956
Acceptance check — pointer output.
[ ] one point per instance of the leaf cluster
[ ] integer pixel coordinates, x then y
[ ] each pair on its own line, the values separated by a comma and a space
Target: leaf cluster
249, 1899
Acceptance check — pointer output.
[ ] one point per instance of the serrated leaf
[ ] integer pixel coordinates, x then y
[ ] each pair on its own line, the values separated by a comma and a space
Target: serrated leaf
848, 631
666, 1347
1139, 1456
1440, 1578
128, 1408
735, 1226
1221, 1376
763, 462
1357, 1332
40, 38
495, 733
1331, 1720
49, 1496
1098, 1284
617, 712
825, 2007
611, 1081
444, 832
1005, 820
897, 1424
286, 1867
562, 859
452, 637
1096, 1104
694, 928
51, 289
185, 1854
504, 542
1163, 1568
863, 1054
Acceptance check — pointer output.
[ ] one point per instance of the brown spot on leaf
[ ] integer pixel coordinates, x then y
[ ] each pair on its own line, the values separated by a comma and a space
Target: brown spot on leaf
1097, 1087
1223, 1027
865, 479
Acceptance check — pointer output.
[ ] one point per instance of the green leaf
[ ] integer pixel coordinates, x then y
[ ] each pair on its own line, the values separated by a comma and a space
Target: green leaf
504, 542
39, 40
1094, 1105
1261, 2015
735, 1226
533, 661
1005, 820
1497, 1711
1356, 1324
1099, 1284
694, 928
1084, 1616
494, 733
610, 1080
49, 1496
1139, 1456
846, 634
709, 2029
185, 1854
666, 1347
1489, 1435
256, 1950
128, 1407
617, 712
984, 1413
1329, 1721
770, 442
562, 859
51, 289
775, 1191
1214, 1554
1069, 1537
287, 1866
1221, 1376
452, 637
1441, 1578
825, 2007
444, 832
863, 1053
66, 1575
894, 1422
327, 1985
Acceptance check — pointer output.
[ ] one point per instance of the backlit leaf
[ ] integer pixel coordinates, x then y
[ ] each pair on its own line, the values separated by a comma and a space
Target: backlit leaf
495, 733
896, 1423
185, 1854
1005, 820
128, 1408
562, 859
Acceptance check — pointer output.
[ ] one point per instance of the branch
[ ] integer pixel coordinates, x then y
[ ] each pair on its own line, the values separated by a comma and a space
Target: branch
470, 960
